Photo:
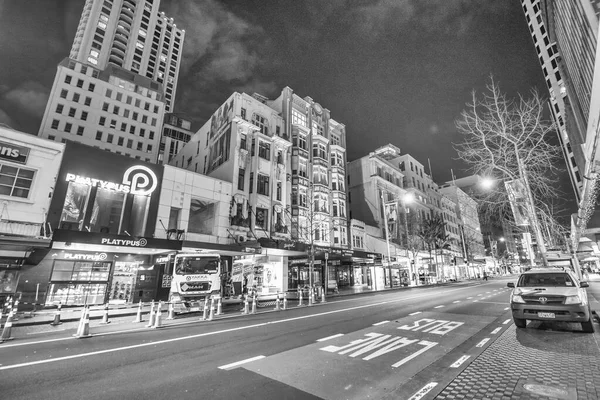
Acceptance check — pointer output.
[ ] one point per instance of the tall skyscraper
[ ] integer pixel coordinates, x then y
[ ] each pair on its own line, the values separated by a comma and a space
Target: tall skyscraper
118, 81
133, 35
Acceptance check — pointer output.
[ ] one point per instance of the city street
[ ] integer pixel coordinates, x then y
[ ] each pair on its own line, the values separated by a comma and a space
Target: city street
380, 345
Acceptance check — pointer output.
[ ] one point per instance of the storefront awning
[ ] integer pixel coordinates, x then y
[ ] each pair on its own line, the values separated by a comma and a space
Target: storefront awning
94, 241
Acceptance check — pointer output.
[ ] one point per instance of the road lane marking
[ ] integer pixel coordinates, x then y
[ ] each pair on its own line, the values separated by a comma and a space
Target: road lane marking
488, 292
423, 391
52, 331
457, 301
506, 308
415, 313
428, 345
475, 301
484, 341
439, 306
469, 298
330, 337
460, 361
235, 364
496, 331
506, 322
480, 294
381, 323
491, 302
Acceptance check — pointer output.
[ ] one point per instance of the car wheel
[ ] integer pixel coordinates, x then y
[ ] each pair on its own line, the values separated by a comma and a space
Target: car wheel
520, 323
588, 326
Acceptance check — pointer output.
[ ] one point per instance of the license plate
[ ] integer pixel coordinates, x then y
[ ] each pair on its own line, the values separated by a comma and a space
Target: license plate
546, 315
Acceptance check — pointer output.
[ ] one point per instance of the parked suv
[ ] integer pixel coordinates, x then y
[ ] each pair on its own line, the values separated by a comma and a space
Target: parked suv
550, 294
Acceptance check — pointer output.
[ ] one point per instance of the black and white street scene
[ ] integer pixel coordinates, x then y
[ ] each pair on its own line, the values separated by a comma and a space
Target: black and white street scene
337, 200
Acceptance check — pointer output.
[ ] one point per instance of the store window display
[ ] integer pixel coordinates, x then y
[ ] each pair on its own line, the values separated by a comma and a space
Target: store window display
123, 283
78, 282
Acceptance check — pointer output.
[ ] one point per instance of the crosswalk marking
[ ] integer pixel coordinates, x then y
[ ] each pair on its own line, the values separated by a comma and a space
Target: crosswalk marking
330, 337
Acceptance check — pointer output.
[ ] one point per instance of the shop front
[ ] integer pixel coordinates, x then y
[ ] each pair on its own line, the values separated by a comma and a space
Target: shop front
92, 268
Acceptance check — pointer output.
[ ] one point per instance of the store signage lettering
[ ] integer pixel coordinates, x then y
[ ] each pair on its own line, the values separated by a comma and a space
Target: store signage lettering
12, 152
160, 260
86, 257
136, 180
378, 344
125, 242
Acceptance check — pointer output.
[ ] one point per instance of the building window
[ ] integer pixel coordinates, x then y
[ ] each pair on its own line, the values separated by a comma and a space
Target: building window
76, 97
241, 178
15, 181
79, 83
319, 150
54, 124
120, 141
123, 127
109, 138
264, 150
63, 93
115, 110
299, 118
68, 79
132, 129
278, 194
140, 146
105, 107
108, 93
243, 113
72, 112
129, 143
98, 135
68, 127
149, 148
263, 185
59, 108
251, 182
262, 218
80, 131
261, 122
102, 121
51, 137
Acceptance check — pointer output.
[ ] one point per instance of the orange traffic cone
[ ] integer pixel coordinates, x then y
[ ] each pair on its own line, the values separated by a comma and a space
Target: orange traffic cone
171, 311
152, 316
105, 316
211, 315
285, 303
254, 304
84, 332
246, 306
7, 328
80, 325
277, 303
219, 306
138, 318
158, 319
299, 297
205, 312
57, 316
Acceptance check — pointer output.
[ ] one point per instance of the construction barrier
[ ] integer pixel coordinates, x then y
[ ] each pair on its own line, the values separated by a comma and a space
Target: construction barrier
219, 306
246, 310
84, 326
138, 317
205, 310
158, 319
171, 311
57, 315
105, 316
152, 316
6, 332
277, 303
211, 315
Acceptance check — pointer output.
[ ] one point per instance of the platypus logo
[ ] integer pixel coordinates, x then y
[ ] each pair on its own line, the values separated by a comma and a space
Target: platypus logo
141, 179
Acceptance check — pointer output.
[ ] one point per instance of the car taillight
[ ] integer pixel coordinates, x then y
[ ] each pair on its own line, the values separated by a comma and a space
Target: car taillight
517, 299
573, 300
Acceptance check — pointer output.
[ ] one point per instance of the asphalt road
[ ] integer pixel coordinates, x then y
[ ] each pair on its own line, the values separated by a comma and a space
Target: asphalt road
381, 345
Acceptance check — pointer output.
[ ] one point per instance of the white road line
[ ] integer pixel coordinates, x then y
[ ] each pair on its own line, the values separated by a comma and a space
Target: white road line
52, 331
423, 391
507, 308
469, 298
381, 323
457, 301
459, 362
415, 313
496, 331
484, 341
475, 301
439, 306
235, 364
506, 322
480, 294
330, 337
488, 292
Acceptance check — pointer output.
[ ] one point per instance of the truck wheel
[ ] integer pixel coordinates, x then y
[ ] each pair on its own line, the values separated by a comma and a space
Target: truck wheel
520, 323
588, 326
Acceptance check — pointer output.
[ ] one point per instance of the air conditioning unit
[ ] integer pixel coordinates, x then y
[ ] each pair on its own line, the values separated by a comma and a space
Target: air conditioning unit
241, 239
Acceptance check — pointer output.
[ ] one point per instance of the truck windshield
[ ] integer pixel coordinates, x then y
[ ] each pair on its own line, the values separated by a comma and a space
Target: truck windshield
552, 279
196, 265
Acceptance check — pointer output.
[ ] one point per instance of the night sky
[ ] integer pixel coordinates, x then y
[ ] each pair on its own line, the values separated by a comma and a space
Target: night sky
392, 71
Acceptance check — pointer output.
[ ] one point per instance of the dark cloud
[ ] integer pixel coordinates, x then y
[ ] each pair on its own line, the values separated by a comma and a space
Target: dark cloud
30, 97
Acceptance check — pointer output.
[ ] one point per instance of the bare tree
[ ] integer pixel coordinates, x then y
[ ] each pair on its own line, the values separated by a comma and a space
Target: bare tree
509, 139
433, 234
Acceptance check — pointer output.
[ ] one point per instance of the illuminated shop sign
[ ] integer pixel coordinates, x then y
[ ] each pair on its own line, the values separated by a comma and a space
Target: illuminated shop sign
14, 153
125, 242
136, 180
85, 257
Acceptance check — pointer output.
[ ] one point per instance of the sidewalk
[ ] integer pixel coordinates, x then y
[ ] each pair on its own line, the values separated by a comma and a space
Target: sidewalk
128, 312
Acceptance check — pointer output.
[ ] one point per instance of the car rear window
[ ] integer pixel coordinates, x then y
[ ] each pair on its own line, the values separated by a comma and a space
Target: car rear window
552, 279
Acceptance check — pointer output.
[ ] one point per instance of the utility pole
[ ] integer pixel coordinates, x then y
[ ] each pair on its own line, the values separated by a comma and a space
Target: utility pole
387, 239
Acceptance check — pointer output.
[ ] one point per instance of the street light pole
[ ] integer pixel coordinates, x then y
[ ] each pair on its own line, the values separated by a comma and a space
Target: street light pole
387, 239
